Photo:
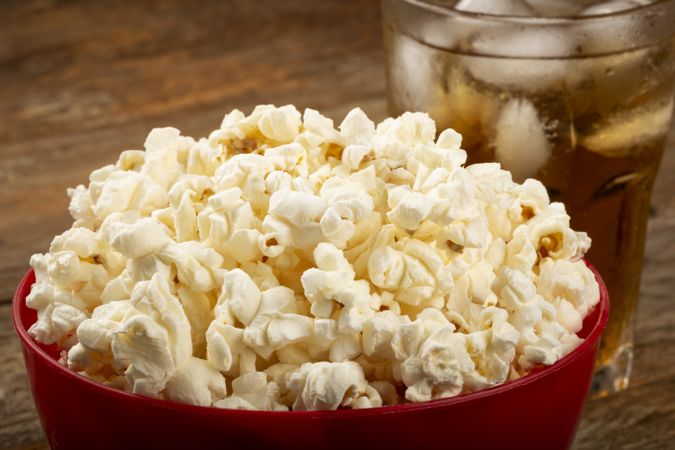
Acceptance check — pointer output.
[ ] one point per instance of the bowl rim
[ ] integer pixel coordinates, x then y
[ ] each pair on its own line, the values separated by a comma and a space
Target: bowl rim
18, 304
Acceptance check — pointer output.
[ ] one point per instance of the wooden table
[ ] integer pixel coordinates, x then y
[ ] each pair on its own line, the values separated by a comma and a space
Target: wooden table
81, 81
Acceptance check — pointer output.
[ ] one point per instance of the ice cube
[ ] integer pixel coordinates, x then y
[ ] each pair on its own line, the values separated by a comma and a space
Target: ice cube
522, 61
414, 73
496, 7
521, 144
467, 108
612, 77
610, 7
619, 134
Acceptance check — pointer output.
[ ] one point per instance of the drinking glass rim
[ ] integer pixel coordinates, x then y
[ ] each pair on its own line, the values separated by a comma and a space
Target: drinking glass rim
535, 20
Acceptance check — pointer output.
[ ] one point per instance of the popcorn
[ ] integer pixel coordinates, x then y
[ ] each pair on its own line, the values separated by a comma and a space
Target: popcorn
280, 124
239, 297
161, 151
569, 281
122, 191
251, 391
155, 343
293, 220
552, 343
353, 155
85, 243
197, 383
224, 347
138, 239
325, 386
349, 203
332, 273
196, 265
310, 268
199, 157
81, 207
409, 211
277, 323
59, 325
146, 339
378, 332
357, 128
197, 307
439, 367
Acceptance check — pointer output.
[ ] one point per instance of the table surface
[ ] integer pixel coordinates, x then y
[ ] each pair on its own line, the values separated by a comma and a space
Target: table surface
81, 81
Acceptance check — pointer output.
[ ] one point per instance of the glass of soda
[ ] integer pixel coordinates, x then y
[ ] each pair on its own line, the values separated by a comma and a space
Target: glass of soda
578, 94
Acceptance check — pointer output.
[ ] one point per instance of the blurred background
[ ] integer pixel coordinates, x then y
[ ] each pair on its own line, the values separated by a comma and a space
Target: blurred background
81, 81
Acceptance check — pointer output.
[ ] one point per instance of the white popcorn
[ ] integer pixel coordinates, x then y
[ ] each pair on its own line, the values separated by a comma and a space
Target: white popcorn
354, 155
197, 266
59, 325
201, 158
321, 126
285, 329
309, 267
333, 282
246, 171
386, 267
93, 354
161, 151
333, 272
197, 307
280, 124
439, 369
224, 346
239, 296
378, 332
552, 343
357, 128
410, 210
197, 383
349, 203
277, 323
157, 342
147, 339
123, 191
139, 238
514, 289
85, 243
62, 279
136, 270
251, 391
81, 207
196, 185
346, 346
293, 218
570, 281
325, 386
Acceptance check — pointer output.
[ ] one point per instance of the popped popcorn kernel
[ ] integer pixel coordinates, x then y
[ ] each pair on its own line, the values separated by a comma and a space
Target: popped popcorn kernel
283, 263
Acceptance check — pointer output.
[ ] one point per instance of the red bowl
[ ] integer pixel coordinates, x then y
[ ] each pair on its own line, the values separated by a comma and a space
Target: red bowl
539, 411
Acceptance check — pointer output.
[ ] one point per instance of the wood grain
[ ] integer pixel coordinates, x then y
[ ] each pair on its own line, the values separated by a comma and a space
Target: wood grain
87, 80
81, 81
19, 426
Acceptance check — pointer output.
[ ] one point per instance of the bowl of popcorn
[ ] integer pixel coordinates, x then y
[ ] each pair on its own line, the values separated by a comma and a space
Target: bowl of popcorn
286, 283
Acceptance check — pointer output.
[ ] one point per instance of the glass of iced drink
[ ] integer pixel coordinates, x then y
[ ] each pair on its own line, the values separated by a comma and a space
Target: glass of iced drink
578, 94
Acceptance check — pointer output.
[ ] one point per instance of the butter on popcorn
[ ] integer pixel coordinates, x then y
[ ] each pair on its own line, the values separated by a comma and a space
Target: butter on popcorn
286, 263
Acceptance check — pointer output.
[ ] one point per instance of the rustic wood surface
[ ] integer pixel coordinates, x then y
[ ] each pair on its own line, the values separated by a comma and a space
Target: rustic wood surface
81, 81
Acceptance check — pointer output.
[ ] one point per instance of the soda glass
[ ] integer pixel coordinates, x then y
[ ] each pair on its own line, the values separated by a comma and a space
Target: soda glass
576, 94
